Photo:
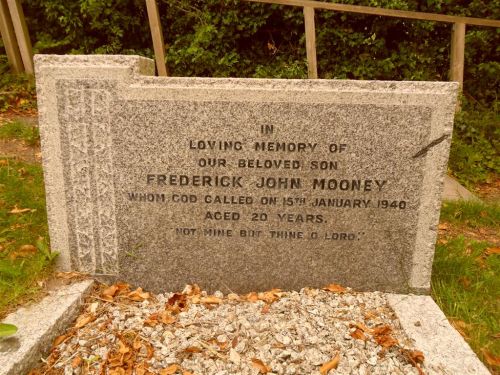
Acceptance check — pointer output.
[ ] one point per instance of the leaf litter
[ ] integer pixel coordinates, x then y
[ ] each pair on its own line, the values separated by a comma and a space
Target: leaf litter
326, 331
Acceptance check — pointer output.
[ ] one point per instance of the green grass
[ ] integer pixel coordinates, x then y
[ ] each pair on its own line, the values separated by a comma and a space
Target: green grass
466, 277
21, 131
471, 214
21, 187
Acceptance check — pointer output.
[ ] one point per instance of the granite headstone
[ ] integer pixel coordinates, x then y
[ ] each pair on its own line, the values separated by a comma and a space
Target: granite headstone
241, 184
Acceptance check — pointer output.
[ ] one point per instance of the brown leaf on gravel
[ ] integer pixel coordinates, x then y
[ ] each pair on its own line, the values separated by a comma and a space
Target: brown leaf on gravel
150, 351
136, 345
152, 320
211, 300
138, 295
84, 320
193, 349
358, 334
234, 342
172, 369
76, 362
266, 308
369, 315
221, 344
382, 336
60, 339
417, 356
123, 348
261, 366
23, 252
361, 327
167, 318
330, 365
336, 288
143, 369
252, 297
491, 359
109, 292
117, 371
177, 303
270, 296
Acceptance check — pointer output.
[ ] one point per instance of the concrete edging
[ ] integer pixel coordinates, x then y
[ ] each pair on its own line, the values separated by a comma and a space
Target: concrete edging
38, 325
445, 351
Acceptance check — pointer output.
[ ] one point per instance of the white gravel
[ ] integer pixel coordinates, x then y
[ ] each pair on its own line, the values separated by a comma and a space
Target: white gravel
297, 333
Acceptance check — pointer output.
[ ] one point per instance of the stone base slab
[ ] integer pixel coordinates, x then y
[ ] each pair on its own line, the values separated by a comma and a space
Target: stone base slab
38, 324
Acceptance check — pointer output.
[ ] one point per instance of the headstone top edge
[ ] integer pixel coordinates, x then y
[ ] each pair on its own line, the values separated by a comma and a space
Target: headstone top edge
145, 66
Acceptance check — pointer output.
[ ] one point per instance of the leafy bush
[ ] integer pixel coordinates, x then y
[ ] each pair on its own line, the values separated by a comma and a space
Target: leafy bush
223, 38
475, 149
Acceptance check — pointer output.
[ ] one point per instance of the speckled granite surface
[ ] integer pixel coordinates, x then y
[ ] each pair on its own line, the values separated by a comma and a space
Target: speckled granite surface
247, 183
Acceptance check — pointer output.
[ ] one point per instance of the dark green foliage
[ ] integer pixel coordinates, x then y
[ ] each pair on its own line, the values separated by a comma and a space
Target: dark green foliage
236, 38
475, 149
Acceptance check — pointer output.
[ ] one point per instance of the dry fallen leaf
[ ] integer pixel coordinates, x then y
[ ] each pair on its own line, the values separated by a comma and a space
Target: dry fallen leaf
358, 334
330, 365
492, 360
70, 275
258, 364
172, 369
76, 362
138, 295
461, 327
193, 349
23, 252
336, 288
84, 320
492, 250
265, 309
109, 292
211, 300
443, 226
60, 339
123, 348
252, 297
416, 356
382, 336
17, 210
167, 318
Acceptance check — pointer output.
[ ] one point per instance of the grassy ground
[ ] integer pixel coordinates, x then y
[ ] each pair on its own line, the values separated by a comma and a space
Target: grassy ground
19, 130
25, 258
466, 275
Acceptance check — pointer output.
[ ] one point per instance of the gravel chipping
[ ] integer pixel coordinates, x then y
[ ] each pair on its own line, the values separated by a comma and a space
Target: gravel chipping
314, 331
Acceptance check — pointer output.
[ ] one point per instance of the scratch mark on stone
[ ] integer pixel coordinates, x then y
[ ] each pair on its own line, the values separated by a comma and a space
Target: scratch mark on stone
435, 142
